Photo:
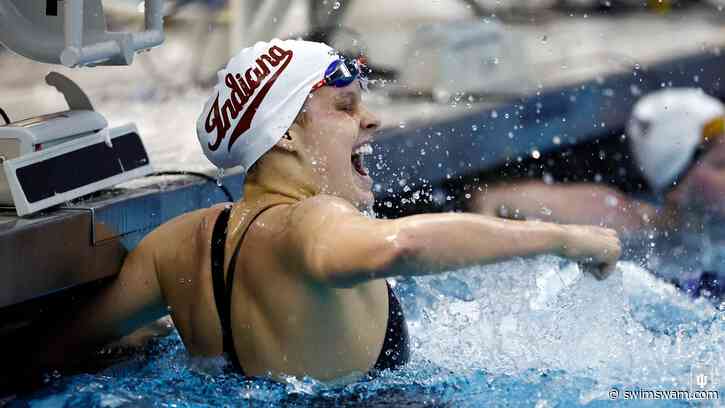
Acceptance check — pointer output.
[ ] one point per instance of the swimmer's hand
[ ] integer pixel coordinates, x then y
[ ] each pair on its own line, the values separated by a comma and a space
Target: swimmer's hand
597, 248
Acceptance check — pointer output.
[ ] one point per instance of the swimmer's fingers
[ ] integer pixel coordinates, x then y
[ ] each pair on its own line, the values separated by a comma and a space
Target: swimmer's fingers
597, 248
600, 271
612, 254
607, 270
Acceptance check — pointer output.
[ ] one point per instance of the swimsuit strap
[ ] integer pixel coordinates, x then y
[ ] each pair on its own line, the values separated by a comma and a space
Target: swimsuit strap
221, 299
223, 287
396, 346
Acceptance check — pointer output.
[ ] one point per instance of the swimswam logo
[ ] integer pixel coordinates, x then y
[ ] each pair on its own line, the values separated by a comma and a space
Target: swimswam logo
243, 87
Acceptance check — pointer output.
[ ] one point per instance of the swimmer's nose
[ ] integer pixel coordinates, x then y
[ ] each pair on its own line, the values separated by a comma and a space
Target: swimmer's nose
369, 121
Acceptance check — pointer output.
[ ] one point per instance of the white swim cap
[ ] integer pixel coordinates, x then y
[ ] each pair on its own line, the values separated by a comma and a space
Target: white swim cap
258, 95
667, 127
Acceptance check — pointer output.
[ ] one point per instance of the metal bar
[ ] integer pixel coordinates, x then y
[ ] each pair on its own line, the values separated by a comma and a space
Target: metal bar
73, 28
96, 53
154, 24
118, 48
153, 15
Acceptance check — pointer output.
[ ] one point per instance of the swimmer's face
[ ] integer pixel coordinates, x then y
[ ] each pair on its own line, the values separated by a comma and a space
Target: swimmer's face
703, 189
335, 135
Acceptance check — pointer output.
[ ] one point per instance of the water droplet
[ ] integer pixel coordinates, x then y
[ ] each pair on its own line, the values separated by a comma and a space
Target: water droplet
336, 5
402, 125
536, 154
611, 201
219, 176
474, 128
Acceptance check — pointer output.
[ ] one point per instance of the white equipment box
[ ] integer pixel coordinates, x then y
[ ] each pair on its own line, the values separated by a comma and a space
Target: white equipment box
51, 159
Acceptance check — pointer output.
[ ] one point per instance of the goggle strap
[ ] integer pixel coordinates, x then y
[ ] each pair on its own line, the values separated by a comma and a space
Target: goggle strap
339, 74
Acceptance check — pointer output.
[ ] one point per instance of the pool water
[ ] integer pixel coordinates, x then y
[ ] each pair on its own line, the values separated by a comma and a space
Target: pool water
535, 332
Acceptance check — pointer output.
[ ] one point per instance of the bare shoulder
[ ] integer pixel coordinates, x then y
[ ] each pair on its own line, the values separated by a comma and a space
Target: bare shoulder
285, 225
316, 208
185, 234
322, 206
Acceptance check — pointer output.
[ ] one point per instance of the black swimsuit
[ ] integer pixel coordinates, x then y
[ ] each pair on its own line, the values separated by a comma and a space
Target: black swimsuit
395, 351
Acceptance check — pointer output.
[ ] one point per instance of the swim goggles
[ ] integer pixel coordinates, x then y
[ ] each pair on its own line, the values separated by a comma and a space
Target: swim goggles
342, 72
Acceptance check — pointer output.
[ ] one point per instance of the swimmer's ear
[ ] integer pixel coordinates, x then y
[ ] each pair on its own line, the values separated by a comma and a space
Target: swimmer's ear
287, 141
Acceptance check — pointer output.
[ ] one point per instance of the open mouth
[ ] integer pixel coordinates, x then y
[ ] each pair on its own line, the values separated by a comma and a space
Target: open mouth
358, 159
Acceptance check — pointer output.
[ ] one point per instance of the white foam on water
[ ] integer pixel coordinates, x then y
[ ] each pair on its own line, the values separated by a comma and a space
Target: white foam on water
545, 314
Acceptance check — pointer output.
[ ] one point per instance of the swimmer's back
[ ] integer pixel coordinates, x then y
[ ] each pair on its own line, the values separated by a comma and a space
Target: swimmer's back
183, 273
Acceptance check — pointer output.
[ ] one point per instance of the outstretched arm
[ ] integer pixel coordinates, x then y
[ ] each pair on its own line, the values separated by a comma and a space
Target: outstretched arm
336, 244
577, 203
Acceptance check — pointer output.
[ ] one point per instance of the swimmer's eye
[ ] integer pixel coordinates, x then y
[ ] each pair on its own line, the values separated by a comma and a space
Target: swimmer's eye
346, 107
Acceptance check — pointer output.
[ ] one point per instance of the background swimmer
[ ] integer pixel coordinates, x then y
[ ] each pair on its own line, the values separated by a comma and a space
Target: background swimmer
675, 138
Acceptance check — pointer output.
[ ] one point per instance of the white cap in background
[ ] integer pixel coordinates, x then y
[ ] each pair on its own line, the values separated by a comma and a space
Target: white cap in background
666, 128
